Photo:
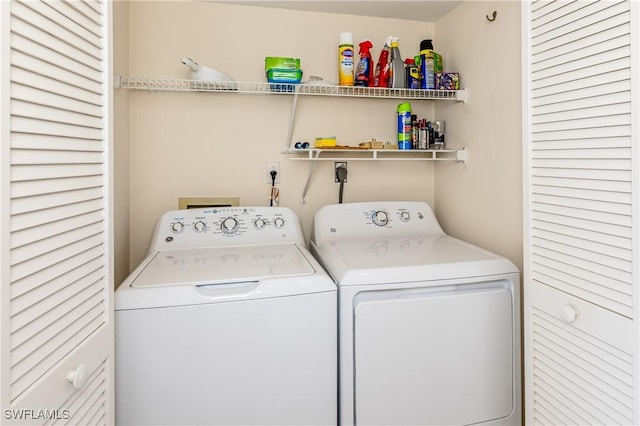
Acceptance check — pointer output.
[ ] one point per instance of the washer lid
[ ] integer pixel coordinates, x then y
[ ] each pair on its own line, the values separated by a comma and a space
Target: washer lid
204, 266
426, 258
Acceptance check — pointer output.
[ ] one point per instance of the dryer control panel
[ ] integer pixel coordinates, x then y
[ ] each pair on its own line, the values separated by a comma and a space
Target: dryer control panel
374, 219
219, 226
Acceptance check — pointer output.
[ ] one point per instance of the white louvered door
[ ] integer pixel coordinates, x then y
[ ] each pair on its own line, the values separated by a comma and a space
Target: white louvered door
56, 262
580, 63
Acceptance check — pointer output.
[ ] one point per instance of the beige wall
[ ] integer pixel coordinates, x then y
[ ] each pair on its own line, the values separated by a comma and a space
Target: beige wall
121, 141
482, 201
218, 144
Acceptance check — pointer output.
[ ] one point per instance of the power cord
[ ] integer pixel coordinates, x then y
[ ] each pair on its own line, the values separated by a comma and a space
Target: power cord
273, 184
341, 175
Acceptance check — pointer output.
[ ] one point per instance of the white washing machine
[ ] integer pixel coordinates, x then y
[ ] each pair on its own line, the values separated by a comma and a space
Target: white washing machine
429, 328
228, 320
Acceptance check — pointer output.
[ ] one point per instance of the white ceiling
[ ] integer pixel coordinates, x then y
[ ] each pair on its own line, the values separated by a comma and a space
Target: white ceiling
415, 10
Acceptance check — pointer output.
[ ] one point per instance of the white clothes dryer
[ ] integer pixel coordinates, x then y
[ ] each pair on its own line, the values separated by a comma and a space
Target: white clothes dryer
429, 325
228, 320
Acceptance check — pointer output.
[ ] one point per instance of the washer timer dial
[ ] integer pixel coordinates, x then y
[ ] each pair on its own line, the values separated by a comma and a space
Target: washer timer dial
380, 218
229, 225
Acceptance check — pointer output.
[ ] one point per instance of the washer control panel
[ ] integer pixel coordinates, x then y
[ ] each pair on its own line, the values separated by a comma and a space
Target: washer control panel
192, 228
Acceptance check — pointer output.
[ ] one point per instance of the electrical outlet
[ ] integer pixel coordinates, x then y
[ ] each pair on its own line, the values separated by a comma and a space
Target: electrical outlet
273, 167
335, 173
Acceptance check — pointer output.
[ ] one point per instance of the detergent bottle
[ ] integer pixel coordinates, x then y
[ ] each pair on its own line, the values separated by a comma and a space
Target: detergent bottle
364, 71
381, 75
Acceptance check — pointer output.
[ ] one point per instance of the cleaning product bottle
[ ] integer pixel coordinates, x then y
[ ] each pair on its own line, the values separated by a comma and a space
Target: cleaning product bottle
430, 65
404, 125
381, 75
345, 60
415, 132
412, 74
364, 71
396, 69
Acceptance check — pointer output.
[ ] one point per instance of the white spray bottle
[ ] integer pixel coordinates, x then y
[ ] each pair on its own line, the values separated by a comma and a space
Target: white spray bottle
397, 77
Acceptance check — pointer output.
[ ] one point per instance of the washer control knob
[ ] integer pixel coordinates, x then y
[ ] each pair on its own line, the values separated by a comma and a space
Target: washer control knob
229, 225
380, 218
405, 216
200, 226
259, 223
278, 222
177, 227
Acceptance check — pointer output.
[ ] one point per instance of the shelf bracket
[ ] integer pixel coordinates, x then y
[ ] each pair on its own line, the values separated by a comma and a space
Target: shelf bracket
461, 155
461, 96
312, 168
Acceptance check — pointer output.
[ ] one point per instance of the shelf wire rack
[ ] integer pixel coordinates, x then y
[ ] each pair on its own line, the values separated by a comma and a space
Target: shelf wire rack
265, 88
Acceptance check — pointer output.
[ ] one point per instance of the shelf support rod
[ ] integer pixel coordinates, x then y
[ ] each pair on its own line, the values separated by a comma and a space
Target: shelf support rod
293, 117
312, 168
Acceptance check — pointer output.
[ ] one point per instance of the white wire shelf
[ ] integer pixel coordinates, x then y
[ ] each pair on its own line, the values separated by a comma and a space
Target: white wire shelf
263, 88
328, 154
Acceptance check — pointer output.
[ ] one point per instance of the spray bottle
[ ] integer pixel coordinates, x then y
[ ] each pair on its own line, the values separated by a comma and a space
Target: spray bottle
381, 76
364, 71
396, 67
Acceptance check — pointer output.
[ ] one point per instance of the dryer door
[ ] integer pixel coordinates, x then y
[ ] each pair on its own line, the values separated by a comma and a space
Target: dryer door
434, 356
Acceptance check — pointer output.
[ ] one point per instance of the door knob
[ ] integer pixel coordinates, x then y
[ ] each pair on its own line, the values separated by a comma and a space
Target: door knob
568, 313
78, 376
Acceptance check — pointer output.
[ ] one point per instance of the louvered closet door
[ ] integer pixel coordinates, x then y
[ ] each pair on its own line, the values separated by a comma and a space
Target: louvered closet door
57, 209
579, 257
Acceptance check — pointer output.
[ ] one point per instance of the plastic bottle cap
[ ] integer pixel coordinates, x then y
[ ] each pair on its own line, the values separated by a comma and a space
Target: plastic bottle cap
346, 38
409, 61
426, 45
405, 106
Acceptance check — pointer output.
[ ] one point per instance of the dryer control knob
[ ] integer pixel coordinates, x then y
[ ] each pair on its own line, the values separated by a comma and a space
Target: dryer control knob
405, 216
229, 225
200, 226
278, 222
177, 227
380, 218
